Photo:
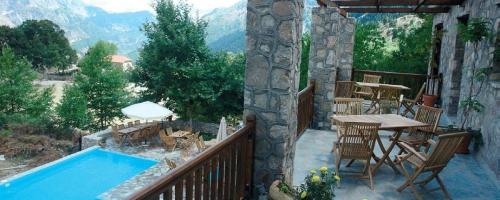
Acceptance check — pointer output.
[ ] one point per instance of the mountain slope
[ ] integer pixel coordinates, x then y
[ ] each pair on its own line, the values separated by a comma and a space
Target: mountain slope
83, 25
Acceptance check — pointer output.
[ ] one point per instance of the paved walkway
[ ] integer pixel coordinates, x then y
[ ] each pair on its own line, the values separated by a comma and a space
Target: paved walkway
464, 176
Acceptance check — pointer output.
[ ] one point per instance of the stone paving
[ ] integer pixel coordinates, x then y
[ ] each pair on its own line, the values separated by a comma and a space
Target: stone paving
465, 177
152, 151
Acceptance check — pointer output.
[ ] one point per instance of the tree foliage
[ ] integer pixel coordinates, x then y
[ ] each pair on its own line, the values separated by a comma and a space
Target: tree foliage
100, 86
409, 52
42, 42
176, 67
304, 64
19, 99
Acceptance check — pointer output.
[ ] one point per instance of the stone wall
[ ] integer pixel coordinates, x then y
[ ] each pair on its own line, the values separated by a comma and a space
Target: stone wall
96, 139
456, 88
198, 126
274, 30
331, 57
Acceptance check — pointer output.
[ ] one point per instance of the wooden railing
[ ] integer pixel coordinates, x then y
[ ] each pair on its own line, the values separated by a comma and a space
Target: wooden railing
223, 171
305, 108
413, 81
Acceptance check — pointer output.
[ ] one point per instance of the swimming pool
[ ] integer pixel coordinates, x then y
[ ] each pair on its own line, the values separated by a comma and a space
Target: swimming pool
83, 175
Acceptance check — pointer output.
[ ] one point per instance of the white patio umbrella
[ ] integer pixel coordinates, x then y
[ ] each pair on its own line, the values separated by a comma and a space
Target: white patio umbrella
222, 134
147, 111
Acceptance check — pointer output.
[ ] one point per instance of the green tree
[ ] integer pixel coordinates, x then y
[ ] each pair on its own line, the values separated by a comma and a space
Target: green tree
304, 64
368, 47
102, 85
42, 42
176, 66
72, 110
19, 99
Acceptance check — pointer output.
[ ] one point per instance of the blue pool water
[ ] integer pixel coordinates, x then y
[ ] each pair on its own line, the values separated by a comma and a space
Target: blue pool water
82, 176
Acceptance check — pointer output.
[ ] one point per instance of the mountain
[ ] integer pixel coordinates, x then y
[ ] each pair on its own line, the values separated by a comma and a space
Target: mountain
83, 24
226, 26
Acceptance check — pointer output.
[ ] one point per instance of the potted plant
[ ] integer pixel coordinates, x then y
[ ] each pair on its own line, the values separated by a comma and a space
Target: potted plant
279, 190
476, 30
319, 186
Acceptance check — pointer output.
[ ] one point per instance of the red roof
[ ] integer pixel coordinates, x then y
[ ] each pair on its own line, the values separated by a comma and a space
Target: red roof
120, 59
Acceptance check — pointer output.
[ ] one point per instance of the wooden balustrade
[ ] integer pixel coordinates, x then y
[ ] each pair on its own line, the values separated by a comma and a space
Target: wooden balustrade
224, 171
413, 81
305, 111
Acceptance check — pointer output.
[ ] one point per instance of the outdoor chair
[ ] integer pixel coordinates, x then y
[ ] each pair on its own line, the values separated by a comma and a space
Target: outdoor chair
408, 104
366, 91
170, 131
137, 122
130, 124
346, 106
388, 98
344, 89
171, 164
418, 137
357, 143
200, 144
169, 142
441, 152
116, 136
121, 126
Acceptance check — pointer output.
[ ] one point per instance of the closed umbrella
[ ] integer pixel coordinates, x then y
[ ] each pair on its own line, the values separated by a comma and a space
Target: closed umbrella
147, 111
222, 134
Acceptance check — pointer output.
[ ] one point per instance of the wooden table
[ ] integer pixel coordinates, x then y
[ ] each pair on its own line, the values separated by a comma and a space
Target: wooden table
375, 87
180, 134
391, 122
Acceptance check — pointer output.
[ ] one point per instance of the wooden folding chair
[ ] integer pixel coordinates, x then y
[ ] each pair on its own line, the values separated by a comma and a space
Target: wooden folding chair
117, 137
170, 131
121, 126
408, 104
346, 106
137, 122
418, 137
135, 138
357, 143
169, 142
130, 124
200, 144
171, 164
434, 161
388, 98
344, 89
366, 91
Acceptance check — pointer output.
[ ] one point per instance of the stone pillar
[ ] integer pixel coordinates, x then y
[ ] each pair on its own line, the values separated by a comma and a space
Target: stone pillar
332, 42
274, 30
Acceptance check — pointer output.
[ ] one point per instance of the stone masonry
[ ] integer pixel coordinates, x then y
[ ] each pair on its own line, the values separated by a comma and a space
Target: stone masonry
331, 57
487, 120
274, 30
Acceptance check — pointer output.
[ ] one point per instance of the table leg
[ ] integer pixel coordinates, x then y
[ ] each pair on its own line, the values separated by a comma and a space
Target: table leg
374, 100
385, 157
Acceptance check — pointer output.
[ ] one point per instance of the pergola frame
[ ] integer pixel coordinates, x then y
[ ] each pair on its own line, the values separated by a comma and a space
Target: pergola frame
392, 6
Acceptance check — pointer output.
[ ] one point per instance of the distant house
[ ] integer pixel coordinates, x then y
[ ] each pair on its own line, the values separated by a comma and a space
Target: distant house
122, 61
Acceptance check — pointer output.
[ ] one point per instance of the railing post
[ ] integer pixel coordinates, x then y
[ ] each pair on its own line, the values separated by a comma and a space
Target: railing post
250, 121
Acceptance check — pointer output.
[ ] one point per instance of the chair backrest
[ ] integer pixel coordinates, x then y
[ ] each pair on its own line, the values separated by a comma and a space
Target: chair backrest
200, 144
162, 132
171, 164
137, 122
169, 142
121, 126
444, 149
344, 89
367, 78
428, 115
170, 131
348, 106
361, 137
130, 124
388, 92
114, 128
420, 93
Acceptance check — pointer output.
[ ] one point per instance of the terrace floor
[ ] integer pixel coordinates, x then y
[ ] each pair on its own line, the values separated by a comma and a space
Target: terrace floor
465, 177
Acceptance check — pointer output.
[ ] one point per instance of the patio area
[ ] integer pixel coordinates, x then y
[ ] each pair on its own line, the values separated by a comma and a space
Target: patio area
465, 177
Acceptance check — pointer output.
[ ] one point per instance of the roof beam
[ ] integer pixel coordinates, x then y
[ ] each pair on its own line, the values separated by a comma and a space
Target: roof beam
397, 10
420, 3
395, 2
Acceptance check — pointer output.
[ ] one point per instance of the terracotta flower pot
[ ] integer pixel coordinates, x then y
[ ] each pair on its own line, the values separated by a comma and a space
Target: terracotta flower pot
430, 100
276, 194
463, 148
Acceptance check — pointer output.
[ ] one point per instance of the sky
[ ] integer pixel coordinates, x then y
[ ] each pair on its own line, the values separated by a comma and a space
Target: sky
202, 6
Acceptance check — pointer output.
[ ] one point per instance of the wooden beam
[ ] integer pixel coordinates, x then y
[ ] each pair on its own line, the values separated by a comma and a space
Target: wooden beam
420, 3
397, 10
396, 2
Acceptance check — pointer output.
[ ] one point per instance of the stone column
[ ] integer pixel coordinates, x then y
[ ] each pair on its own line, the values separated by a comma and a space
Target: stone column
274, 30
332, 42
